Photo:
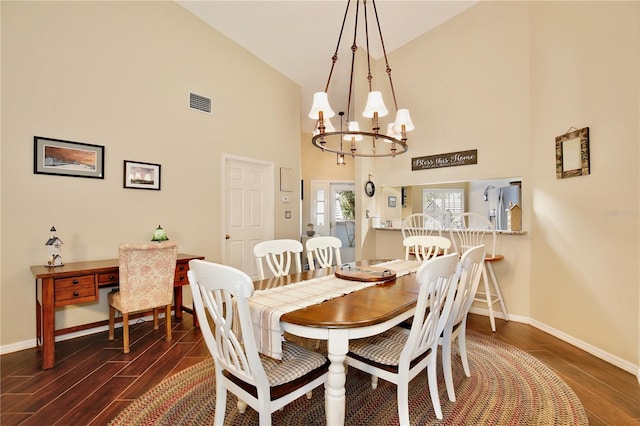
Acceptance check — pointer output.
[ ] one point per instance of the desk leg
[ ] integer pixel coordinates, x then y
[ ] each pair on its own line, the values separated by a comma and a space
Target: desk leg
338, 345
48, 324
177, 296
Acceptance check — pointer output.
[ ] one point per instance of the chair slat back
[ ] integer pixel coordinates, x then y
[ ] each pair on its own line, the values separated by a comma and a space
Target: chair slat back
420, 224
472, 264
321, 251
146, 275
473, 229
425, 247
278, 255
223, 292
438, 278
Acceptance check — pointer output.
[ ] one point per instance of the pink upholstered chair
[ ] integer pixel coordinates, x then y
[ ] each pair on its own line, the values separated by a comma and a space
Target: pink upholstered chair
147, 273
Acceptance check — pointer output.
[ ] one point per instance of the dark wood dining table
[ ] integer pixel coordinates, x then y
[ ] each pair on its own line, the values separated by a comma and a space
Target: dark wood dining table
362, 313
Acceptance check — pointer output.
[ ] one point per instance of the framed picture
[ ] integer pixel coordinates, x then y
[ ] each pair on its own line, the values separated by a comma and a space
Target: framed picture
572, 153
139, 175
392, 201
66, 158
286, 179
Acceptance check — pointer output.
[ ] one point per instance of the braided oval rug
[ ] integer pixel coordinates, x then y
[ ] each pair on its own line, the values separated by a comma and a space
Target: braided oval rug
507, 387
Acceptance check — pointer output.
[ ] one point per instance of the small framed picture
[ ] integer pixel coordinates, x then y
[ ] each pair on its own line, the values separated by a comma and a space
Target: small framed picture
66, 158
286, 179
139, 175
392, 201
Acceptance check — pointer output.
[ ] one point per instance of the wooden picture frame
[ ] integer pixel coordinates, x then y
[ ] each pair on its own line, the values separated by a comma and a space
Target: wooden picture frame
572, 154
286, 179
138, 175
66, 158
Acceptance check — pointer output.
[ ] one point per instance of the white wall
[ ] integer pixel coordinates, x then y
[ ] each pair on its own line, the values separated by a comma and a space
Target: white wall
585, 67
118, 74
506, 78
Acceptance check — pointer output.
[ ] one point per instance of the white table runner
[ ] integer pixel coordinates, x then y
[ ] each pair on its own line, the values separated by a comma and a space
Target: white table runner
267, 306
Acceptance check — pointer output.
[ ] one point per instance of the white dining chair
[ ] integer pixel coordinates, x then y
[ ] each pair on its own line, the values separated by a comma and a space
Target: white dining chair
425, 247
472, 264
321, 252
420, 224
263, 383
473, 229
398, 355
278, 255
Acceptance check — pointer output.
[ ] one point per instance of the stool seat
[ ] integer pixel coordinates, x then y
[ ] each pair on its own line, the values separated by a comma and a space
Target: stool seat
494, 258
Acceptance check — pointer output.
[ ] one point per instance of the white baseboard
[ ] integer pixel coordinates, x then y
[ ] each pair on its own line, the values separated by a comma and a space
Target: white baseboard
597, 352
32, 343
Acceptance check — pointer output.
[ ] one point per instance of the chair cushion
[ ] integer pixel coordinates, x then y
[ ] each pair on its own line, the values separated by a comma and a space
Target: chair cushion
296, 362
383, 348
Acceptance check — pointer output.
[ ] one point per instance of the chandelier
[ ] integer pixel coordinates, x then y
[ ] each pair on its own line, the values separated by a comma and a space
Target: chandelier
353, 141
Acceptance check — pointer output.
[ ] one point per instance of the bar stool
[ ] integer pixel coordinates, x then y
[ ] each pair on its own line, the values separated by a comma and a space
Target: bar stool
468, 230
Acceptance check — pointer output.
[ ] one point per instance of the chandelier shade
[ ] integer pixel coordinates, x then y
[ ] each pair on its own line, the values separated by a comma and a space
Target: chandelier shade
356, 142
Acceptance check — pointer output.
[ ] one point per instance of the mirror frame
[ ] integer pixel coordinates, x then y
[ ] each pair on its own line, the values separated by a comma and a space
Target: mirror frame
583, 135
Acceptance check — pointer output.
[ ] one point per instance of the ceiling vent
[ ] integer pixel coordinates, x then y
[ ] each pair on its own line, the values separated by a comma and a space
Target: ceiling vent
199, 103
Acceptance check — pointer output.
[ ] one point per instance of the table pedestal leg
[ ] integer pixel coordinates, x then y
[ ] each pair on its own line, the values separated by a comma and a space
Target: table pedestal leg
338, 345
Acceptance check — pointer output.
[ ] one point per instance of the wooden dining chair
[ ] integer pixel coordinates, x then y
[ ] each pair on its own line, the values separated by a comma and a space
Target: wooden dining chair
322, 250
398, 355
278, 254
472, 264
425, 247
473, 229
146, 278
420, 224
221, 297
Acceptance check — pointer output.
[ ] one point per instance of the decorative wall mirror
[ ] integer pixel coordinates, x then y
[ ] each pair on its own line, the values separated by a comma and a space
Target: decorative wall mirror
572, 153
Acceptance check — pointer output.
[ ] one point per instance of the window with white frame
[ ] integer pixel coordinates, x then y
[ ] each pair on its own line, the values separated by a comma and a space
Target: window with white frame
443, 204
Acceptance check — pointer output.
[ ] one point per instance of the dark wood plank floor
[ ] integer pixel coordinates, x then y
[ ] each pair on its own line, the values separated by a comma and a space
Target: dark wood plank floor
93, 380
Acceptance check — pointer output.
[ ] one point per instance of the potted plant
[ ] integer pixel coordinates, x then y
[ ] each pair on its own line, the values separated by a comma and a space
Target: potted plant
310, 231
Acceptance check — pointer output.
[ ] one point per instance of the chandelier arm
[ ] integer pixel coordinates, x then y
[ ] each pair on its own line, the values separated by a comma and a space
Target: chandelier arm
334, 58
384, 51
366, 37
354, 48
398, 146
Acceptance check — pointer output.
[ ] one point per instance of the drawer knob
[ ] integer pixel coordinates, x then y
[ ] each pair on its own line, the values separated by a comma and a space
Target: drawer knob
181, 277
75, 281
182, 267
76, 294
111, 277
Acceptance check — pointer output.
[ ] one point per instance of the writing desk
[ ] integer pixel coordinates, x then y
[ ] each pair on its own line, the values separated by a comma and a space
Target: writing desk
363, 313
78, 282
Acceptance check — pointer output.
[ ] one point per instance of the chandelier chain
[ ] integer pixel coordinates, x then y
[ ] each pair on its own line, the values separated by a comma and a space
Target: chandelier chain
386, 61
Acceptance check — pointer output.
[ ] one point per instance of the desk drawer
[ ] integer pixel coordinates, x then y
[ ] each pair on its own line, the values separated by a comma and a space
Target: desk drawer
110, 278
181, 274
78, 289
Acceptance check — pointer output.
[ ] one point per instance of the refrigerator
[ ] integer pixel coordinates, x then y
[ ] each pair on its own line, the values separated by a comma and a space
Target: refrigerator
506, 195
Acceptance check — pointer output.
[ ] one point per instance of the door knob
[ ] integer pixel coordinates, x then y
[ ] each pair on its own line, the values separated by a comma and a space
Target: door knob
227, 236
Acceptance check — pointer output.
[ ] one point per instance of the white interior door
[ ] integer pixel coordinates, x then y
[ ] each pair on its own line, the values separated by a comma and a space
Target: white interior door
247, 209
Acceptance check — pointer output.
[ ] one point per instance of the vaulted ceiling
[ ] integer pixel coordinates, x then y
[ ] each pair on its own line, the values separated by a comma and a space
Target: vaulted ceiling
298, 38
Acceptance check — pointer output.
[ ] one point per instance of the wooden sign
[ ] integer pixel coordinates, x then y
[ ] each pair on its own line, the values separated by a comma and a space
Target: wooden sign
460, 158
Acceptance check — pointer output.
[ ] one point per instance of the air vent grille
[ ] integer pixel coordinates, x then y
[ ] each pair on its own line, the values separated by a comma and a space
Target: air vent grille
200, 103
